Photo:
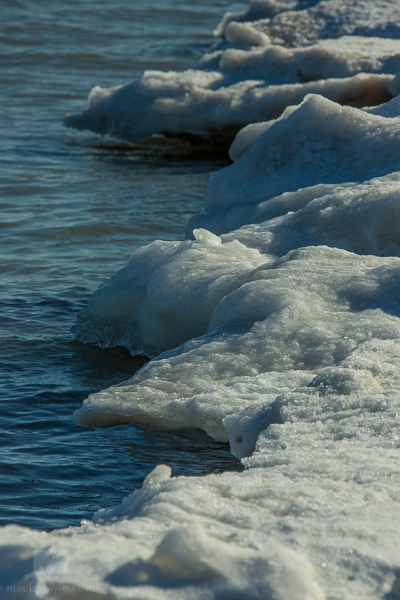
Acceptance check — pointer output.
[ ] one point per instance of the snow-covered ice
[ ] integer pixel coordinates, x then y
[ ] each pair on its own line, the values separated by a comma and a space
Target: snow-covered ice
318, 143
275, 326
268, 58
297, 186
205, 104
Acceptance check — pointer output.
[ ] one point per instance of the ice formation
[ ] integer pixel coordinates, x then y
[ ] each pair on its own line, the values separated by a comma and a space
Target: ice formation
274, 326
268, 58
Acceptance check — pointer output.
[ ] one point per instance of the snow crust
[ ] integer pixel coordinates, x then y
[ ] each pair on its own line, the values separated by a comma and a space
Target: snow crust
275, 327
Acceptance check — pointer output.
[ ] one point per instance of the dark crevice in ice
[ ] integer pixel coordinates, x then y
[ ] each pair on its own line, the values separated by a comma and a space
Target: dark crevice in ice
371, 97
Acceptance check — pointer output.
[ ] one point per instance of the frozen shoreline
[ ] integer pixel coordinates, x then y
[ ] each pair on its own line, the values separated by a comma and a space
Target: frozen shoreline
270, 58
279, 331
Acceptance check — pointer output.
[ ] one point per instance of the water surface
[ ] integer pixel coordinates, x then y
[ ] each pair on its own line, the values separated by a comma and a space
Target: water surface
73, 208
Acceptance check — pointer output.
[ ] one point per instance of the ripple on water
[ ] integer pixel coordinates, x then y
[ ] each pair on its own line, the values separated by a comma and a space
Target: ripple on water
73, 208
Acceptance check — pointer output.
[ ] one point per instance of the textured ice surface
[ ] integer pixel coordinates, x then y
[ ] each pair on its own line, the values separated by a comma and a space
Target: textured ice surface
166, 294
312, 21
250, 134
317, 143
297, 365
308, 311
279, 331
293, 190
294, 320
270, 57
208, 104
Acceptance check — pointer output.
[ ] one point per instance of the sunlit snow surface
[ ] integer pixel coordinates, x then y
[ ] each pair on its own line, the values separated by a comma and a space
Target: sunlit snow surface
274, 326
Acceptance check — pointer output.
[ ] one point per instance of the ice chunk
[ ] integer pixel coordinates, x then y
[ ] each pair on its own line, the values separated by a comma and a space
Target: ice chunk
209, 105
316, 143
245, 34
308, 311
298, 23
271, 58
317, 508
361, 218
244, 427
247, 136
166, 294
206, 104
168, 291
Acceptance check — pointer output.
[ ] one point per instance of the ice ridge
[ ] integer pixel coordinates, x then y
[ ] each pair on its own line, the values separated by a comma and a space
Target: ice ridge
275, 326
268, 58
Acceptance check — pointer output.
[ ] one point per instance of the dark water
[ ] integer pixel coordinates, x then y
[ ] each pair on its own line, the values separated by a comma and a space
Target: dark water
73, 208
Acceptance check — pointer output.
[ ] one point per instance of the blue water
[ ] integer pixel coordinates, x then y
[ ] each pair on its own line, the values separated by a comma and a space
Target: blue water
73, 208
